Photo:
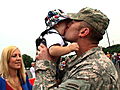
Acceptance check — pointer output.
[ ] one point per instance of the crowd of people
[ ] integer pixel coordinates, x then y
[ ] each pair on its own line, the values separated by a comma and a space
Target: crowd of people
88, 69
115, 57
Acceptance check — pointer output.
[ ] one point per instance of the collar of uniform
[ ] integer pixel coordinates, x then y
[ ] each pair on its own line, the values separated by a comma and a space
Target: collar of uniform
83, 56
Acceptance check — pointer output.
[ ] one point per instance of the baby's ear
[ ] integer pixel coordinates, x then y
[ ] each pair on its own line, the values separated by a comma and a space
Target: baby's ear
84, 32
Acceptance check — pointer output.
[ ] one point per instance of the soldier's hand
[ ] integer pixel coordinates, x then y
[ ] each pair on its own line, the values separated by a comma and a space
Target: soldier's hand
43, 53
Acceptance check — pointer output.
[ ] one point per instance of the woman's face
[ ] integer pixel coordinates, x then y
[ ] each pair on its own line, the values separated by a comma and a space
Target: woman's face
15, 60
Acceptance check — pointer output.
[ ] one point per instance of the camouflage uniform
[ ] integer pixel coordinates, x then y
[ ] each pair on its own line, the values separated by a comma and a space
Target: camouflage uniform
92, 70
93, 17
45, 75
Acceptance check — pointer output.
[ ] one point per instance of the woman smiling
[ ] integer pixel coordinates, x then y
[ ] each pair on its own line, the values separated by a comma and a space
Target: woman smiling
12, 71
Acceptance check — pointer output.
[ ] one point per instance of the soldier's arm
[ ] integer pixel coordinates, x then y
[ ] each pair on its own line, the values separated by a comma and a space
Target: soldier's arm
45, 70
45, 75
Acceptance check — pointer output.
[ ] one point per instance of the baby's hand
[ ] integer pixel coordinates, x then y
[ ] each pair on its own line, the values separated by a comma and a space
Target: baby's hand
74, 47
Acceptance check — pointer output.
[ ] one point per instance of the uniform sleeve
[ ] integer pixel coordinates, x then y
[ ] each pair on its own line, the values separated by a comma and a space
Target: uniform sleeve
45, 79
89, 76
45, 75
73, 84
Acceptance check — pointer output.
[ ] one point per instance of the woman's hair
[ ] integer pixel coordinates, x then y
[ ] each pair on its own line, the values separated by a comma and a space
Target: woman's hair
4, 69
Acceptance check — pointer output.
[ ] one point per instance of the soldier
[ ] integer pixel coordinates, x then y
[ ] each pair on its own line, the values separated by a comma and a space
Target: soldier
91, 69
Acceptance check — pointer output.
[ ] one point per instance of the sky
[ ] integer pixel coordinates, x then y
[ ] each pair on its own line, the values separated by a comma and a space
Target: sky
22, 21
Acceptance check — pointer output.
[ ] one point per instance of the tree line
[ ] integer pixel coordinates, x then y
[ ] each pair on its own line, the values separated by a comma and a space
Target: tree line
112, 49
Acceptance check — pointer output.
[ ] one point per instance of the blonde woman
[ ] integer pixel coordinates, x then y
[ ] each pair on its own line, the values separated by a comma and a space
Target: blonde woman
12, 72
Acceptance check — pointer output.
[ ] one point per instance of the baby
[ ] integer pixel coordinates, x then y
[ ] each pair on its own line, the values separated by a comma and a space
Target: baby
57, 22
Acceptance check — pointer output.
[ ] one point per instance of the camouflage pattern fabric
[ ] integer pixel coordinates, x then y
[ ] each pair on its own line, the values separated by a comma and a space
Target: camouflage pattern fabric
45, 75
94, 17
91, 71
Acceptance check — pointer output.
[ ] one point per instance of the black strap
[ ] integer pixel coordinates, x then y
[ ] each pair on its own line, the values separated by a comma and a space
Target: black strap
47, 31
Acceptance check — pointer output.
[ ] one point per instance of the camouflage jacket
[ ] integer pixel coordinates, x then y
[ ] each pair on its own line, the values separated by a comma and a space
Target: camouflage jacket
90, 71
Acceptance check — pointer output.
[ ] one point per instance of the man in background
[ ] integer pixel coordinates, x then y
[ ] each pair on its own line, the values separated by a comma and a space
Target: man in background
32, 69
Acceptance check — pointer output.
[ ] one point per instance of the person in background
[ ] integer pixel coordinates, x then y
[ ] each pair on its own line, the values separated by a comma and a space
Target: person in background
32, 69
12, 70
108, 55
114, 58
91, 69
118, 59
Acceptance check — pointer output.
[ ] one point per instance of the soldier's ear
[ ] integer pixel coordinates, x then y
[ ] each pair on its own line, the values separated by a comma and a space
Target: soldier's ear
84, 32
